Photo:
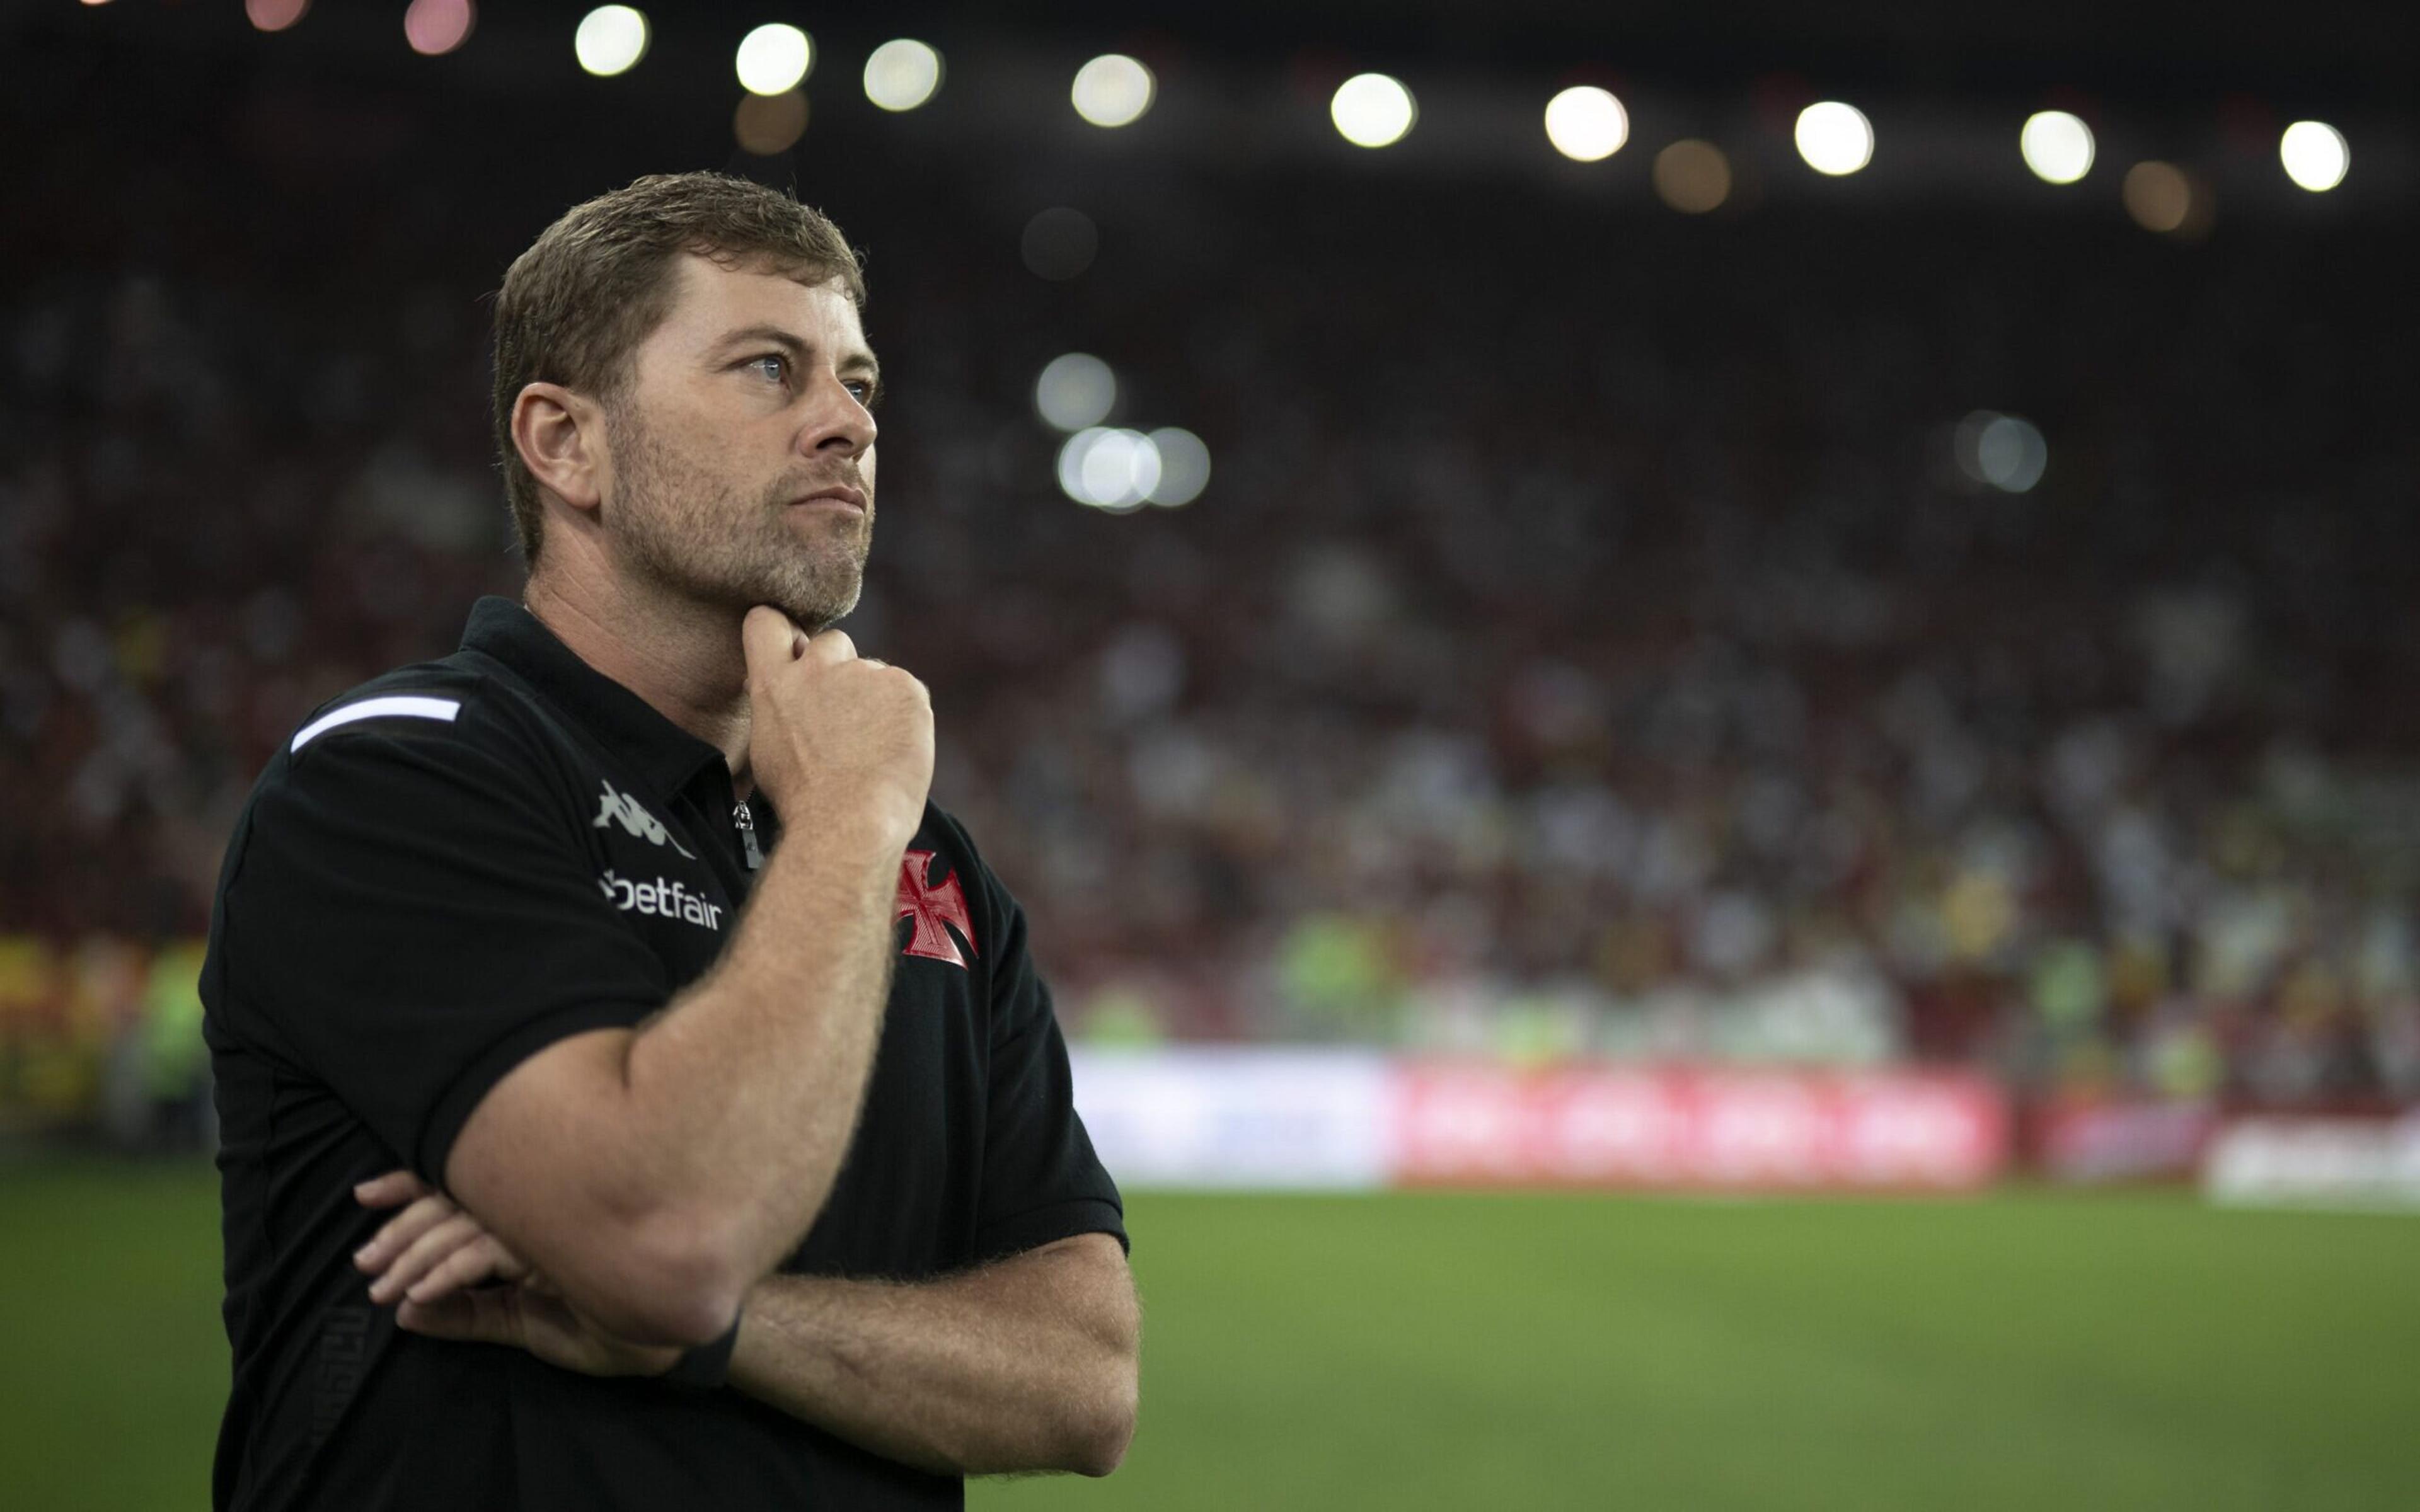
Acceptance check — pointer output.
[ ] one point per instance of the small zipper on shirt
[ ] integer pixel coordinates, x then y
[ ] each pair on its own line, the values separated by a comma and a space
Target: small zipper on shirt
744, 822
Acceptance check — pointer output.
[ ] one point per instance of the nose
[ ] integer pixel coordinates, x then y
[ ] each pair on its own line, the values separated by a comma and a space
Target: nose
837, 422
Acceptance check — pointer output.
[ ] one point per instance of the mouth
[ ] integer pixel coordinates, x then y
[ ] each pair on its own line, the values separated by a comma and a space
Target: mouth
839, 495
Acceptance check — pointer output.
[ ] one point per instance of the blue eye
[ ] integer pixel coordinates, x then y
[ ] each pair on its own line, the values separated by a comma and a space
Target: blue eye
780, 366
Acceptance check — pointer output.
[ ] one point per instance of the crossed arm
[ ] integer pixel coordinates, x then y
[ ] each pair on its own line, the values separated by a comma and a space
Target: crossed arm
1026, 1363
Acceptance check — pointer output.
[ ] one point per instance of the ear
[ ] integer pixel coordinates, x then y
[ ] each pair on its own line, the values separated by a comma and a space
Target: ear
560, 436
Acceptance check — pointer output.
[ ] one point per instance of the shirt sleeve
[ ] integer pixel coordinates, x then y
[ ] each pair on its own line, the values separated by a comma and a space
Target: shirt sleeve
1041, 1180
412, 915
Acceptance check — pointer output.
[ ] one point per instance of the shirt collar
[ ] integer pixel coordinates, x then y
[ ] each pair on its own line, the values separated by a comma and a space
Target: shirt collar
670, 757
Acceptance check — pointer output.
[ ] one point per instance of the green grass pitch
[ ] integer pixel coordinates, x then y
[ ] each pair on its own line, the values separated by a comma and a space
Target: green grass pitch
2027, 1351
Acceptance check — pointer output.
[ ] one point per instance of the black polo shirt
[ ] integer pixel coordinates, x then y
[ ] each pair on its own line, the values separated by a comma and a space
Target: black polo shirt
452, 867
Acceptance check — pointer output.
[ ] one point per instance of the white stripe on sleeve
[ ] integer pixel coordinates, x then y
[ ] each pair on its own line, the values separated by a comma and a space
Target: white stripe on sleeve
404, 704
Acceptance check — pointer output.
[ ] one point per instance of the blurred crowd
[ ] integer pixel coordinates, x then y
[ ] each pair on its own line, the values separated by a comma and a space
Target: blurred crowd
1593, 639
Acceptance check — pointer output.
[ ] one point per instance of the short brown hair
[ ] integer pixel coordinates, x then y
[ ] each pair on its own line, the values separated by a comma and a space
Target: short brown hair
575, 307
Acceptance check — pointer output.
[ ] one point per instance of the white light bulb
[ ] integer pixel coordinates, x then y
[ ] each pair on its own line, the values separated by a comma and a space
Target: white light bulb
2315, 155
1112, 90
2057, 147
773, 58
1834, 138
1587, 124
902, 74
1372, 110
610, 40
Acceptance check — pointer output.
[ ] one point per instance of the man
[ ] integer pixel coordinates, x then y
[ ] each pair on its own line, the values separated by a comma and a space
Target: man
766, 1140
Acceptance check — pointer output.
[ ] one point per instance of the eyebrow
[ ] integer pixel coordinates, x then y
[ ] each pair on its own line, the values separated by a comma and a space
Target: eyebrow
858, 362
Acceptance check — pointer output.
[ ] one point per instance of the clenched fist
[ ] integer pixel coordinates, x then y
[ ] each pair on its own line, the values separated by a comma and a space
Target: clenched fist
841, 744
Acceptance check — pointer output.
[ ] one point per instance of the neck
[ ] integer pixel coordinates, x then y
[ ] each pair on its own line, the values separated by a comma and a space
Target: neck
683, 658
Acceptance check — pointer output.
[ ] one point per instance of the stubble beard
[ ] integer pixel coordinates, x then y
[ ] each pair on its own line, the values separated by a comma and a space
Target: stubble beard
685, 535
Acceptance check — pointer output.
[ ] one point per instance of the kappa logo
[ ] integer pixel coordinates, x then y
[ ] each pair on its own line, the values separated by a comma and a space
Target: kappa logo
661, 899
932, 907
622, 808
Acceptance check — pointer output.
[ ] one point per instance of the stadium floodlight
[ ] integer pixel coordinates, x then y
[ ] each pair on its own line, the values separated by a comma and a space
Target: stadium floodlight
902, 74
1587, 124
2159, 196
1110, 469
769, 125
1834, 138
436, 27
611, 40
1183, 467
773, 60
1075, 392
273, 15
1372, 110
2003, 451
2057, 147
1692, 176
1112, 90
2315, 155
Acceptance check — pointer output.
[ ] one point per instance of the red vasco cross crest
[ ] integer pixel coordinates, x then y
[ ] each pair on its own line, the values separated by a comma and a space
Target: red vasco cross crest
931, 907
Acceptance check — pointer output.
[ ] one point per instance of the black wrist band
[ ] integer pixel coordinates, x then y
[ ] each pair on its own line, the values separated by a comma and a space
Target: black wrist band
706, 1366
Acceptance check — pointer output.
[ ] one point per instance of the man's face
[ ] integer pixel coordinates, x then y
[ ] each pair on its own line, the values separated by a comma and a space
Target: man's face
743, 448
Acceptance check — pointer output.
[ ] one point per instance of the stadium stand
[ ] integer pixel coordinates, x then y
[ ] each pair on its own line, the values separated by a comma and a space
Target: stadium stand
1662, 682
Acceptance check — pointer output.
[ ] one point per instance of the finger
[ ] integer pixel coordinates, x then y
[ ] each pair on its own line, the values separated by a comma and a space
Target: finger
483, 1259
476, 1317
767, 639
403, 1230
390, 1190
831, 647
423, 1256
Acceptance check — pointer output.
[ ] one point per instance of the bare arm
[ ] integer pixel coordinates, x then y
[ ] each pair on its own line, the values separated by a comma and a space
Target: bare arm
1030, 1363
655, 1174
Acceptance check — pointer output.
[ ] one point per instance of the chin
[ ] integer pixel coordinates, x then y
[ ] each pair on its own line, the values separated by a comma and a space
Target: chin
820, 605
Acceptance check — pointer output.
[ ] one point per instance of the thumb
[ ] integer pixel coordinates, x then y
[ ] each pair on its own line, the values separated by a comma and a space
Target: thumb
768, 640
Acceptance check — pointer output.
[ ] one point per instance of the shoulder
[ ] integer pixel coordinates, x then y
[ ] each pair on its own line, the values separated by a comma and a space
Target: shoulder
944, 860
945, 838
450, 701
427, 745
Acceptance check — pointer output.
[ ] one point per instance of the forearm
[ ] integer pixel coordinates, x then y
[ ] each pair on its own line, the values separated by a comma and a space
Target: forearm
1027, 1364
745, 1090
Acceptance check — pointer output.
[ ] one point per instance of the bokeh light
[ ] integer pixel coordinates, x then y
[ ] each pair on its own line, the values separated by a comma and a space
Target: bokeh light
2161, 198
1587, 124
436, 27
2003, 452
1183, 467
1692, 176
902, 74
2057, 147
769, 124
611, 40
1112, 90
274, 15
774, 58
1060, 243
2314, 154
1110, 469
1372, 110
1834, 138
1076, 391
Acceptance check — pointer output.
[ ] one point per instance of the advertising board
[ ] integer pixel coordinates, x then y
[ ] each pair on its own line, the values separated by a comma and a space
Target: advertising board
1347, 1119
